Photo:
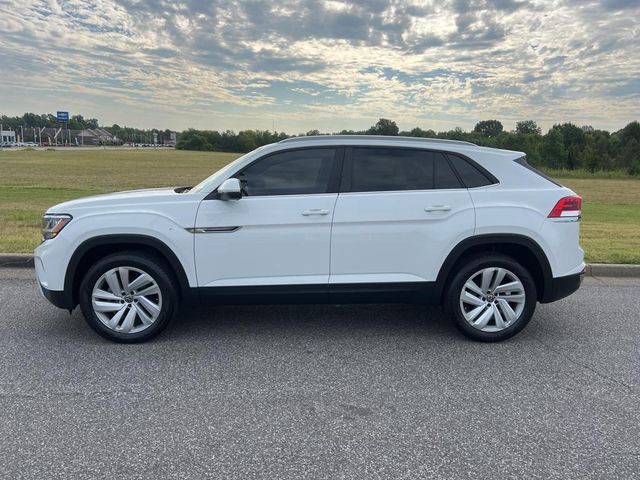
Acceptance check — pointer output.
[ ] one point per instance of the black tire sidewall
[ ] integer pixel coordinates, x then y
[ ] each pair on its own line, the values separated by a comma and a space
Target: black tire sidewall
152, 265
473, 265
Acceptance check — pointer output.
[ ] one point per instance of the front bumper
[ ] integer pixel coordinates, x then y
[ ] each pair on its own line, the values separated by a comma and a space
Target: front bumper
58, 298
563, 286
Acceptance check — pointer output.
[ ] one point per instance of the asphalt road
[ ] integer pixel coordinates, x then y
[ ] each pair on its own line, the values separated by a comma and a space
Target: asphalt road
280, 392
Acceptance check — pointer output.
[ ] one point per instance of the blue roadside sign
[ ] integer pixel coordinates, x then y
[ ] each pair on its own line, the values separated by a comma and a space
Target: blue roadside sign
63, 117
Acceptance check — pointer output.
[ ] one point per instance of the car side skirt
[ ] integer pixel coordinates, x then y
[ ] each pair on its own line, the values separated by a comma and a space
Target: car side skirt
404, 292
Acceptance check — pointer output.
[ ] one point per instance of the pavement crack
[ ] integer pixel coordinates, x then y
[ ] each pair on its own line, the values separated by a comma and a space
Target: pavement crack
603, 376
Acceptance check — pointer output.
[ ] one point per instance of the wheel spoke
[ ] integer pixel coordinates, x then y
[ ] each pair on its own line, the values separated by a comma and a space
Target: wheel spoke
484, 318
141, 281
151, 307
487, 275
497, 280
128, 320
104, 295
508, 287
112, 281
113, 321
146, 319
498, 317
470, 316
508, 312
516, 297
151, 290
124, 278
471, 285
106, 306
472, 299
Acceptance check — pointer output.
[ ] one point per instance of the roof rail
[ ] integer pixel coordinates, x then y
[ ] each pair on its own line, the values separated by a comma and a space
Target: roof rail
396, 138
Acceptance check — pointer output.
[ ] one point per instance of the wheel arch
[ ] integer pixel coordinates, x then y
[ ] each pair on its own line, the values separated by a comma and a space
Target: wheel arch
522, 248
97, 247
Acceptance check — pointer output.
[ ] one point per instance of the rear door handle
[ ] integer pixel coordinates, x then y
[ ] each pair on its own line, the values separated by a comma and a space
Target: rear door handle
315, 211
437, 208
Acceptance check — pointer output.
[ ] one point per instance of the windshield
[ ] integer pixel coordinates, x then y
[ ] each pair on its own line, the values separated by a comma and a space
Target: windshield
227, 167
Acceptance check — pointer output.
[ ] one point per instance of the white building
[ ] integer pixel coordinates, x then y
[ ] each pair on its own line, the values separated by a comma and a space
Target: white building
7, 136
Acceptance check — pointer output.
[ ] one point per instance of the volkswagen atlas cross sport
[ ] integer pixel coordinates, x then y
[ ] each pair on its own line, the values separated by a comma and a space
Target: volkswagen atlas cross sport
330, 219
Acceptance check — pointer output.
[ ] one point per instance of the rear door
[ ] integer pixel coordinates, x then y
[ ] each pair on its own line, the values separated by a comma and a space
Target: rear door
399, 213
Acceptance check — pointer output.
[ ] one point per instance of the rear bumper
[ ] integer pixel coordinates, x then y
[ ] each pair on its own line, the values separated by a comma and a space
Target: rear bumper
563, 286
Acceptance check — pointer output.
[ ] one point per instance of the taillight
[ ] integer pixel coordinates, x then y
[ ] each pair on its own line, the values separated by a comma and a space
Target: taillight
567, 207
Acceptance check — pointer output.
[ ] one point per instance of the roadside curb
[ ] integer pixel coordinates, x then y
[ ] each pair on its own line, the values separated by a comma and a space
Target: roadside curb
25, 260
612, 270
16, 260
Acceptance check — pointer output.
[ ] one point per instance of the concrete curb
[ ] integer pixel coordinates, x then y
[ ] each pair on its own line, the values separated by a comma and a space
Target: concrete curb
16, 260
612, 270
25, 260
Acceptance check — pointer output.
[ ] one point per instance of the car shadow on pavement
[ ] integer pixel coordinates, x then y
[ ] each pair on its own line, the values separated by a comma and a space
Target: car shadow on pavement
309, 320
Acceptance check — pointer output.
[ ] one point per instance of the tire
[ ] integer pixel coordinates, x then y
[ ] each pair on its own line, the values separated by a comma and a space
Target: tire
509, 290
147, 305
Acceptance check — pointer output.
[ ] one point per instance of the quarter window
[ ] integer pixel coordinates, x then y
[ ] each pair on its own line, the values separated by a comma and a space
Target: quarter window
290, 173
470, 175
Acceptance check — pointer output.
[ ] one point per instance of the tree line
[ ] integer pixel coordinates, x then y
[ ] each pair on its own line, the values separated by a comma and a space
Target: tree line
564, 146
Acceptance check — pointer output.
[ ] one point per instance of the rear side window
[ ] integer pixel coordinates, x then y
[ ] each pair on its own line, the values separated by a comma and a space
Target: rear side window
290, 173
470, 175
444, 176
390, 169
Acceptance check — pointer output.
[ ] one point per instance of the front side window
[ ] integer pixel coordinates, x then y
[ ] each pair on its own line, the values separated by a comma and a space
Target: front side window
391, 169
293, 172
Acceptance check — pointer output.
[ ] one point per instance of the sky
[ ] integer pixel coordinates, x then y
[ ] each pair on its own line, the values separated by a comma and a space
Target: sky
298, 65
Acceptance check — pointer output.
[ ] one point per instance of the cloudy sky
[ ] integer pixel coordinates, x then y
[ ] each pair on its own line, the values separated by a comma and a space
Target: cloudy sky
296, 65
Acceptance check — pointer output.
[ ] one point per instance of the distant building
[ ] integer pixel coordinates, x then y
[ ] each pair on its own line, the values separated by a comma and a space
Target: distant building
90, 136
94, 136
7, 136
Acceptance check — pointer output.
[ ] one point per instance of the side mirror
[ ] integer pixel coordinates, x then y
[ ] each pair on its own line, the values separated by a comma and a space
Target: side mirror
230, 189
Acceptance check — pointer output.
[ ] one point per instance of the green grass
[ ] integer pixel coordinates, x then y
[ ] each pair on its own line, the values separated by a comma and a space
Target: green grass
32, 181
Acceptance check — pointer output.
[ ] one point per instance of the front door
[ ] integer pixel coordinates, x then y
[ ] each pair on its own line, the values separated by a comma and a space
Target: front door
278, 233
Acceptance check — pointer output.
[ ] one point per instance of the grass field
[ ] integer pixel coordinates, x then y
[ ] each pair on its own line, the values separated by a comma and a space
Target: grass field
32, 181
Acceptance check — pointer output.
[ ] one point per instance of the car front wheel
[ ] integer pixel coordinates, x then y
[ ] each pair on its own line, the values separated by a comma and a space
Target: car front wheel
491, 298
128, 297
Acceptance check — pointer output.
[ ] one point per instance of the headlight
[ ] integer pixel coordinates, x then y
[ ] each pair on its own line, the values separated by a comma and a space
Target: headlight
52, 224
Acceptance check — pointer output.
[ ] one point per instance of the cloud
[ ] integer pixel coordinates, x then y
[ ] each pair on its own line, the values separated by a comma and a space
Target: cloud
332, 64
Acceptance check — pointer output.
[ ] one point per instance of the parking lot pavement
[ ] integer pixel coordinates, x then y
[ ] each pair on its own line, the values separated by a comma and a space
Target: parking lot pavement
275, 392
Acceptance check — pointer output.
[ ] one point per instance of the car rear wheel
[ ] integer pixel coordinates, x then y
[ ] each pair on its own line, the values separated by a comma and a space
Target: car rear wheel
128, 297
491, 298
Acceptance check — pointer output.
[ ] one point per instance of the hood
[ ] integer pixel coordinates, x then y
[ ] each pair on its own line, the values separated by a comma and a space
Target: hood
131, 197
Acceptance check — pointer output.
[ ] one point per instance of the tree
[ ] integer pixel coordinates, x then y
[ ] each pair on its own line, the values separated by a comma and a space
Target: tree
528, 127
418, 132
553, 152
384, 126
488, 128
630, 157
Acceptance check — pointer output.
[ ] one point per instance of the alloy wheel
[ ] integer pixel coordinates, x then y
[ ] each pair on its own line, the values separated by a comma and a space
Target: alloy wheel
126, 299
492, 299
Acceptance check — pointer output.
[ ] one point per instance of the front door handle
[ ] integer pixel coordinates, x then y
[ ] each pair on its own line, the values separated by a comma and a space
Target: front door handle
315, 211
437, 208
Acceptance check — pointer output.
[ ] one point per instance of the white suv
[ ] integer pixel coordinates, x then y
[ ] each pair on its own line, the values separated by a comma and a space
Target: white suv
323, 219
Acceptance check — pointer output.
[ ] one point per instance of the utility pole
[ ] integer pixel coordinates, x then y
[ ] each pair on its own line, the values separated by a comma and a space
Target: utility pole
1, 137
